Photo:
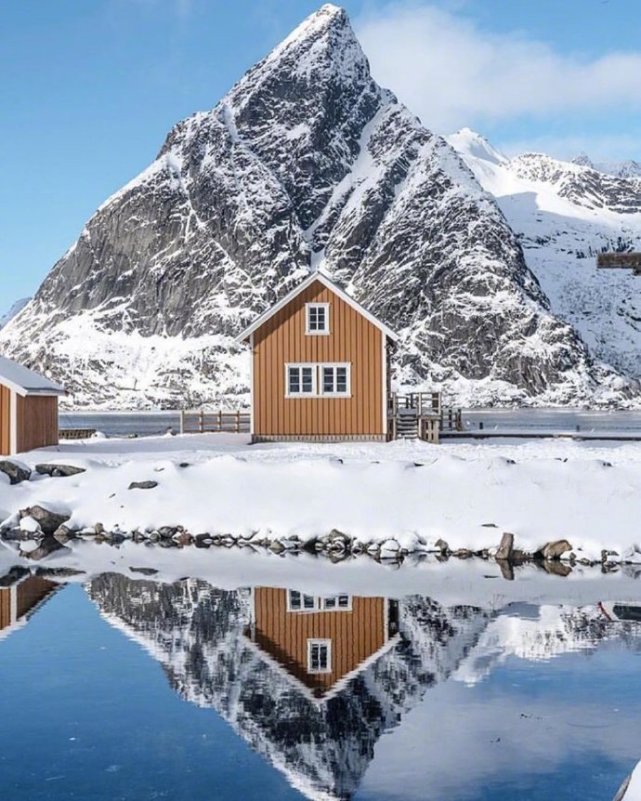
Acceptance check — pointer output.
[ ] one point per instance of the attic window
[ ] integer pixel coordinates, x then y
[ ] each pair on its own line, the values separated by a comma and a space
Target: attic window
317, 318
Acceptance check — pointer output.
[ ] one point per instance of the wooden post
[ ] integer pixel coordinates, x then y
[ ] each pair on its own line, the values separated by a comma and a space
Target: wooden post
220, 420
202, 421
182, 421
238, 421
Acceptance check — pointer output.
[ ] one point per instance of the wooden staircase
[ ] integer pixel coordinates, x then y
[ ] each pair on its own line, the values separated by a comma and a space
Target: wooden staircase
420, 415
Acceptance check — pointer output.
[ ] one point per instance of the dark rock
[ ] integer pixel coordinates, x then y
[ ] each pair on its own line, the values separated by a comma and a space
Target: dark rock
442, 546
144, 571
276, 546
167, 532
116, 537
59, 470
63, 534
463, 553
143, 485
202, 540
49, 521
47, 546
15, 472
506, 546
13, 575
553, 550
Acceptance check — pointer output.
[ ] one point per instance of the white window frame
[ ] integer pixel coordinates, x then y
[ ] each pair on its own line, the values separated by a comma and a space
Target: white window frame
317, 379
299, 366
320, 603
333, 366
326, 331
320, 642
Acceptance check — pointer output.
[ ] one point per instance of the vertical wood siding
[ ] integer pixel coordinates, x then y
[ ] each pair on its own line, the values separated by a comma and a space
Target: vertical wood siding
37, 422
355, 635
5, 421
28, 593
352, 339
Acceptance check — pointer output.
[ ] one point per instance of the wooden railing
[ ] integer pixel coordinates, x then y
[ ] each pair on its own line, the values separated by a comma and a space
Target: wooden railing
202, 422
424, 403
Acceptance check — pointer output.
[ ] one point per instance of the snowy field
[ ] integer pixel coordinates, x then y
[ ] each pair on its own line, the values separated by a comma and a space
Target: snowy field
405, 494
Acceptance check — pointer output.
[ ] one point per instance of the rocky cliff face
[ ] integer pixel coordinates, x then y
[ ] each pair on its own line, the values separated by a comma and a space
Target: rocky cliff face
306, 164
564, 213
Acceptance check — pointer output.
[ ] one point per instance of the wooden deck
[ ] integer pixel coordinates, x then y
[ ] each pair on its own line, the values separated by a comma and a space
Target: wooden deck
421, 415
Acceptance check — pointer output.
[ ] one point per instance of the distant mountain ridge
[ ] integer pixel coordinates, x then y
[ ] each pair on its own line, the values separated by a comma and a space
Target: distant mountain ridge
564, 214
13, 311
305, 164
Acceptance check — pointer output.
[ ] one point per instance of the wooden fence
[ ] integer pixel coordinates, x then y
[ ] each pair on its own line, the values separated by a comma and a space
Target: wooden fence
201, 422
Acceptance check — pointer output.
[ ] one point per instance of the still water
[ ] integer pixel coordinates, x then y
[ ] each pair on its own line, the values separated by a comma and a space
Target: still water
121, 688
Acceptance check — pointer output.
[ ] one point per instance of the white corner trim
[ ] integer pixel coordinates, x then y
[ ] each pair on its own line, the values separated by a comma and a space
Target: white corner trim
251, 385
384, 374
13, 422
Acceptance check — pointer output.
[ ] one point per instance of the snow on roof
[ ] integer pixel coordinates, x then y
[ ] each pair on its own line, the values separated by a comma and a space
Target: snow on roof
25, 381
315, 276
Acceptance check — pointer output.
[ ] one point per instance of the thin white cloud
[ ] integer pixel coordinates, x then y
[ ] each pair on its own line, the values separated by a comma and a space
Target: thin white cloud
451, 73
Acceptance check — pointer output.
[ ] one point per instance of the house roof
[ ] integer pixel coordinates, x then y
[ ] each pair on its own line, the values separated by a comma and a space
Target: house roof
25, 381
323, 279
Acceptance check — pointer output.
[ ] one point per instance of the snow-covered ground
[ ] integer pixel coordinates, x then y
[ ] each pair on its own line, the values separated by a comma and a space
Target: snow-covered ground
466, 493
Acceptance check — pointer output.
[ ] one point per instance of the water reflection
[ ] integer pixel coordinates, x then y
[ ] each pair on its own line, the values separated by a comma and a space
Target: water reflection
313, 682
21, 594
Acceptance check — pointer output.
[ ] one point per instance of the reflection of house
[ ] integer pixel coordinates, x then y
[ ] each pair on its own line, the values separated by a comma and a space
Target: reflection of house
322, 641
20, 601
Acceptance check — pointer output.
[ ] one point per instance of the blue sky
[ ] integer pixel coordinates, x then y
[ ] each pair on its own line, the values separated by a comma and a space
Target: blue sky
91, 87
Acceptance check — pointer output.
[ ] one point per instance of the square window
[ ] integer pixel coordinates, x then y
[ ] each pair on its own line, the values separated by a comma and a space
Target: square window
317, 318
301, 379
335, 379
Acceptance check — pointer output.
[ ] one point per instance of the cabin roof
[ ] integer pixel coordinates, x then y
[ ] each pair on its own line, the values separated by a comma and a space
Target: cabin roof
25, 381
323, 279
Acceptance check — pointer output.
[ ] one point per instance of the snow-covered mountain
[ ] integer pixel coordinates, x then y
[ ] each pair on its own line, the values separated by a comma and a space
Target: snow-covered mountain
13, 311
306, 164
619, 169
564, 213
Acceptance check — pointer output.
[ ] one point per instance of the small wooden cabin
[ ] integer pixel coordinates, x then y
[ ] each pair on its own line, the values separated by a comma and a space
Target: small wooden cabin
28, 409
320, 368
321, 641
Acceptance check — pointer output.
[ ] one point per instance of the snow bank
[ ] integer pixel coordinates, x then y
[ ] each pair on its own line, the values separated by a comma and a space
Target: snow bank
411, 493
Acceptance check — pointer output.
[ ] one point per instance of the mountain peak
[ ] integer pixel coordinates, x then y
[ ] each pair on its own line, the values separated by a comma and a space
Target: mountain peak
470, 143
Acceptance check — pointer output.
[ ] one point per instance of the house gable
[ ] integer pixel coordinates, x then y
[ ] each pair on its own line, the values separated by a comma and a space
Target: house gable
353, 343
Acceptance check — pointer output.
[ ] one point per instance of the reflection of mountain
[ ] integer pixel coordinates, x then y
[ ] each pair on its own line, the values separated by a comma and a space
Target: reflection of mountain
539, 633
20, 597
203, 638
317, 715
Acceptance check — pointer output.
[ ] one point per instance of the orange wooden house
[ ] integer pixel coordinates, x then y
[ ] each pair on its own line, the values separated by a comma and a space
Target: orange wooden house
28, 409
320, 367
321, 641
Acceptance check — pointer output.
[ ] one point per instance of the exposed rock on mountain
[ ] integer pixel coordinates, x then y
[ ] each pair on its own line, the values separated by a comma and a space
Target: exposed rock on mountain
307, 163
564, 214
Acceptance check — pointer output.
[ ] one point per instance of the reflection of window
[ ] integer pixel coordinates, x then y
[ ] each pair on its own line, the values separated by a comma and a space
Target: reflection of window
337, 602
301, 379
319, 656
317, 318
300, 602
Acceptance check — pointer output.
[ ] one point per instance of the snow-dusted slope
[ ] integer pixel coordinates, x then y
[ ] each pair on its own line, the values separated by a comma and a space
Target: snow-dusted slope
565, 213
13, 311
306, 163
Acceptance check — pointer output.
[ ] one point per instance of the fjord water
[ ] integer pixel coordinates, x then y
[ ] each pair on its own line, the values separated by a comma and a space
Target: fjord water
123, 688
